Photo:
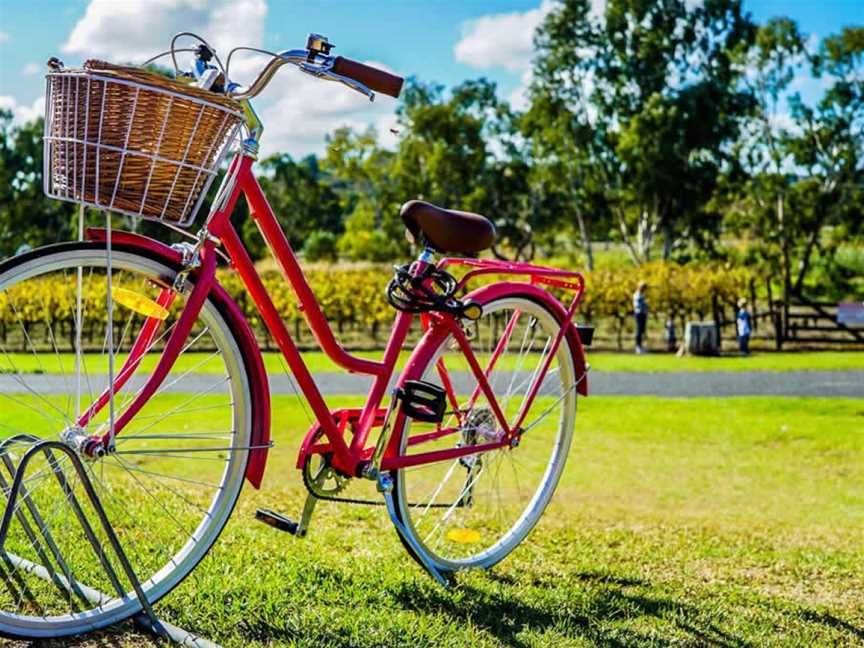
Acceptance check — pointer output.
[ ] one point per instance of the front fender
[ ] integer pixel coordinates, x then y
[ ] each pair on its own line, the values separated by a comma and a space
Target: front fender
254, 365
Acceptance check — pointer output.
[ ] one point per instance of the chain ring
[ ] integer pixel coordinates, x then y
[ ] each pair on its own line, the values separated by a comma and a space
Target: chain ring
325, 482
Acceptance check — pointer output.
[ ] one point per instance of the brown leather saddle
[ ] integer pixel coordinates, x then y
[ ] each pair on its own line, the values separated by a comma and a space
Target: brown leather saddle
447, 230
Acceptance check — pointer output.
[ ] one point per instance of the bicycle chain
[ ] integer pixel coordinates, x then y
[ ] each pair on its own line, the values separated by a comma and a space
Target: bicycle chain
327, 497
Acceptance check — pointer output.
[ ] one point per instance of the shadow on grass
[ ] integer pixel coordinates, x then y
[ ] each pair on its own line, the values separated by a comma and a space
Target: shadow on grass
119, 636
583, 612
515, 610
826, 618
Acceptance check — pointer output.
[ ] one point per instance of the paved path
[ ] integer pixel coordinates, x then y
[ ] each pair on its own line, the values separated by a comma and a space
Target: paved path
680, 383
848, 384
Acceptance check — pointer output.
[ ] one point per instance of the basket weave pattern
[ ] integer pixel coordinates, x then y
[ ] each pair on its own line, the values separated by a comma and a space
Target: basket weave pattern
131, 141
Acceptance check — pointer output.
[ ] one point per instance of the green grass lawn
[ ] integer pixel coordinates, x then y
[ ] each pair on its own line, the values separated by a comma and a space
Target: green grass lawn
722, 522
602, 361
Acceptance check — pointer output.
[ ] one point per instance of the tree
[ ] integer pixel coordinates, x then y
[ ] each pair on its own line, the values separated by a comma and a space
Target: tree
766, 177
830, 147
467, 152
301, 197
566, 145
362, 176
647, 102
800, 165
26, 216
442, 155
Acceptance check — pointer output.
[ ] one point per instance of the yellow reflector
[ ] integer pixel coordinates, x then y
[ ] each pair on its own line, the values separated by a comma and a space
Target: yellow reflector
472, 311
139, 303
463, 536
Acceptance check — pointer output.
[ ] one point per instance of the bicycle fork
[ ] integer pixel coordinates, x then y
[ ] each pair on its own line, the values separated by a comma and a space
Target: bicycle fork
174, 346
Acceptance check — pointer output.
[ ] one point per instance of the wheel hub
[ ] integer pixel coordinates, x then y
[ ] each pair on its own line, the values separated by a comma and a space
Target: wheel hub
86, 446
480, 427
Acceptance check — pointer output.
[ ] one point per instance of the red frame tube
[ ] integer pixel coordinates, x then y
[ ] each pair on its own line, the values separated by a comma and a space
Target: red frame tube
333, 424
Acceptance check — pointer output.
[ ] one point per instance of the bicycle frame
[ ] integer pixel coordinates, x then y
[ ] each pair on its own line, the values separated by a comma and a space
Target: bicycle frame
347, 457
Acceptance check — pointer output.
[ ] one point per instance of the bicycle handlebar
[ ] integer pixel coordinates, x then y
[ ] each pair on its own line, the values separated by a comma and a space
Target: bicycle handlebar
358, 76
371, 77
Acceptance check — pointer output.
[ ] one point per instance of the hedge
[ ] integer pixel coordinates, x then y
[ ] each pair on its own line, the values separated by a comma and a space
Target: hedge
352, 298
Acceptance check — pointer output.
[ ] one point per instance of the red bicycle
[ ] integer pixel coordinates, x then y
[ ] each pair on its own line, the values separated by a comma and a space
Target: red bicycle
145, 384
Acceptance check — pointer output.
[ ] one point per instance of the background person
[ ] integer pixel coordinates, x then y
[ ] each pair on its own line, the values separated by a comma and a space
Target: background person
742, 321
640, 313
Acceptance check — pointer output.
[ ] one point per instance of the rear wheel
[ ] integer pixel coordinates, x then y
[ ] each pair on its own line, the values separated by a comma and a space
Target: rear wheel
474, 510
179, 465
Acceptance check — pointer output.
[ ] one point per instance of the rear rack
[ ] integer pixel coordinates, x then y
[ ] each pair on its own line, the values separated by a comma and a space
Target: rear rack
543, 275
568, 279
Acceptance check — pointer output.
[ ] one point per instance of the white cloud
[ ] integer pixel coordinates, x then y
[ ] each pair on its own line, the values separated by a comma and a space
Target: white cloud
307, 109
507, 40
501, 40
4, 37
134, 30
297, 110
21, 113
31, 69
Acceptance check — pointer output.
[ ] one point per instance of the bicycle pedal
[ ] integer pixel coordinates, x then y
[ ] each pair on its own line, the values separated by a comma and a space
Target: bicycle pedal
277, 521
423, 401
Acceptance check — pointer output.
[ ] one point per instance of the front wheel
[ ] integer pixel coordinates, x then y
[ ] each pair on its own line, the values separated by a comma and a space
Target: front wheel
473, 511
177, 468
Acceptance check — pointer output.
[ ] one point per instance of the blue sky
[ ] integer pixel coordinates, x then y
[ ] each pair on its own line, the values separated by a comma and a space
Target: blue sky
444, 40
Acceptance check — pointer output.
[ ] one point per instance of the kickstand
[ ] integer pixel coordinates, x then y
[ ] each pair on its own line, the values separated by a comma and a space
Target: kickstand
385, 487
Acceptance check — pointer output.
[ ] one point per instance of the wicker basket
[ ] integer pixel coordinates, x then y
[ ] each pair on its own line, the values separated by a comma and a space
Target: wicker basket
131, 141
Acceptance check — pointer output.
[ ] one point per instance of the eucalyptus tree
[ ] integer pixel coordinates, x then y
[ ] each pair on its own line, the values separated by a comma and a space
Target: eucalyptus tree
361, 172
463, 150
301, 196
830, 146
761, 186
442, 153
801, 165
642, 104
26, 216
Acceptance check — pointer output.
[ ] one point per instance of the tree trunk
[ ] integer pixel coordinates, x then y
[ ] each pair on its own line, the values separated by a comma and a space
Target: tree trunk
644, 236
668, 240
787, 269
625, 235
646, 230
585, 233
804, 263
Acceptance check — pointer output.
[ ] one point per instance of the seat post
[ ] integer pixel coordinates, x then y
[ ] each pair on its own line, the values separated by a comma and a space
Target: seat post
424, 260
427, 255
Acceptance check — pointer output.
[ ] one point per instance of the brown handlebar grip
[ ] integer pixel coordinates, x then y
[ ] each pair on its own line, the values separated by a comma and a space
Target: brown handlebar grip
372, 78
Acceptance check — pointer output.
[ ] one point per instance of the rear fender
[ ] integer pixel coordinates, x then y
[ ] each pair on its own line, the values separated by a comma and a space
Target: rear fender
258, 385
